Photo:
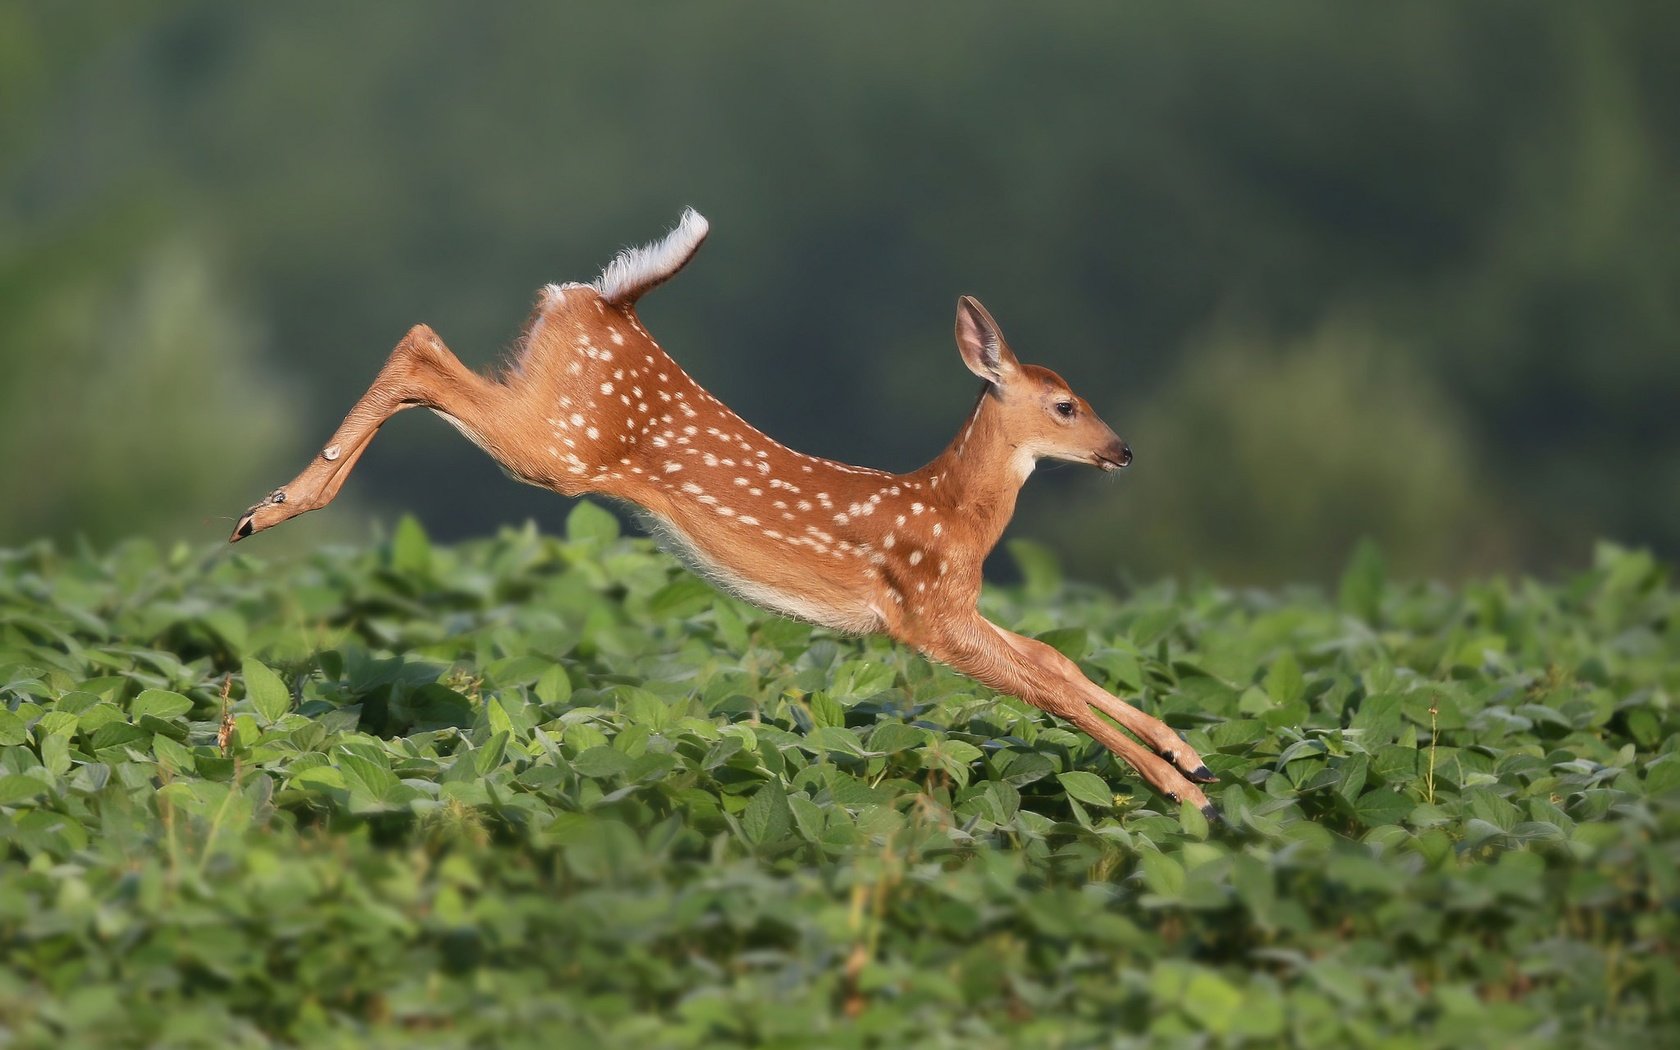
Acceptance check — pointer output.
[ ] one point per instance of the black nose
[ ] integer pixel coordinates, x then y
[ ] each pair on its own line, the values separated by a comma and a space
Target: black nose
1125, 454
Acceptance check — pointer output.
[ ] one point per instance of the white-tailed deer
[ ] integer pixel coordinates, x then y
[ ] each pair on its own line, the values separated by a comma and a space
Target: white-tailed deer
590, 403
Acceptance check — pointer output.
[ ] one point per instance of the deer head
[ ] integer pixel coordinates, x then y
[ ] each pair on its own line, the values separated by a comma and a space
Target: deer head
1038, 414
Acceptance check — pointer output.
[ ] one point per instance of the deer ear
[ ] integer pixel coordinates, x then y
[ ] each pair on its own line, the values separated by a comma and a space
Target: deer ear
983, 349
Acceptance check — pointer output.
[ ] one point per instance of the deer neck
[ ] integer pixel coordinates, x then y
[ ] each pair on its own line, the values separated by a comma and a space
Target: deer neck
981, 471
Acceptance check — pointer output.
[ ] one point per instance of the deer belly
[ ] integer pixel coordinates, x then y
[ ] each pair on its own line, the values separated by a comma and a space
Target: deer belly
723, 568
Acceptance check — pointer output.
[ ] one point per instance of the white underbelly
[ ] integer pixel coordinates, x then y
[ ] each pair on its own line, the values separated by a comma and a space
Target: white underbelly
852, 617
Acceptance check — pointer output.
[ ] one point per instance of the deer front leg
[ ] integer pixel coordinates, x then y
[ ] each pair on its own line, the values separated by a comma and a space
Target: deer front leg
420, 372
1152, 731
977, 649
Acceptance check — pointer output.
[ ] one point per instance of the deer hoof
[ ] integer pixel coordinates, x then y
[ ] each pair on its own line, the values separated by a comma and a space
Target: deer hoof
1202, 775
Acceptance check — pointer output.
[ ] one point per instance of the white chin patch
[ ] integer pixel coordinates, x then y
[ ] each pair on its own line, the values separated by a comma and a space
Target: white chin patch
1023, 462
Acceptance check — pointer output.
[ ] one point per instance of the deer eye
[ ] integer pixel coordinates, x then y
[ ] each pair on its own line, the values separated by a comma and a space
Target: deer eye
1064, 409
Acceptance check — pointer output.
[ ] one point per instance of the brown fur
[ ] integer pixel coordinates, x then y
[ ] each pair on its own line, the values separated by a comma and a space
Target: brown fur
590, 403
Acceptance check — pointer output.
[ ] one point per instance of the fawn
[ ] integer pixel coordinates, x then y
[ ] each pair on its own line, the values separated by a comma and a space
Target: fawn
590, 403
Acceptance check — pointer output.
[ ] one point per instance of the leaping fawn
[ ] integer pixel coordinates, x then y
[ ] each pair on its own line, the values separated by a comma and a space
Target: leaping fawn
590, 403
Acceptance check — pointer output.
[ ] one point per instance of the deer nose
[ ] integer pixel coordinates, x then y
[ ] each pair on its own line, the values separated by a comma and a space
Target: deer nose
1125, 454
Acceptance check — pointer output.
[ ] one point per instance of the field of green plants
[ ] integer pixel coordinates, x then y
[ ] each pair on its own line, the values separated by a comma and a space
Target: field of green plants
538, 791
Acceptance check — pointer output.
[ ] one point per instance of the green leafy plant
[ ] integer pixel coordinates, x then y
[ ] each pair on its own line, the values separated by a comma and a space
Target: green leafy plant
553, 790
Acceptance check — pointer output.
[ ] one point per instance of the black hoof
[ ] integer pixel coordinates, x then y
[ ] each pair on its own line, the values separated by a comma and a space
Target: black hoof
1211, 812
243, 530
1202, 775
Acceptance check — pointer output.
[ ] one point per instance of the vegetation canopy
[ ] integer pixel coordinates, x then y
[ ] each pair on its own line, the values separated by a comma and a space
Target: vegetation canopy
555, 791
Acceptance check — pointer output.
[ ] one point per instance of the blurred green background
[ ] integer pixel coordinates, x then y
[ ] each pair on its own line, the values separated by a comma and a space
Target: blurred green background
1406, 271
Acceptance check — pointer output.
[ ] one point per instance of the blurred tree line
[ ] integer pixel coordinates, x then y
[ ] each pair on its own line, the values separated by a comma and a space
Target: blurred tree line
1405, 271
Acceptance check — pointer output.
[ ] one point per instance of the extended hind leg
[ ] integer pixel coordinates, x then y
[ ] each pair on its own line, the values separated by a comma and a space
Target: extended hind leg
421, 372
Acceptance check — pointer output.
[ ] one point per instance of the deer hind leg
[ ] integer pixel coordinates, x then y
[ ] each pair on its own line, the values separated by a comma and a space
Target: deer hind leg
421, 372
977, 649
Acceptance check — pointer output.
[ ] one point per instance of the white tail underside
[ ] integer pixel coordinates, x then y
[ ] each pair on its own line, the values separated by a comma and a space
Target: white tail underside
635, 270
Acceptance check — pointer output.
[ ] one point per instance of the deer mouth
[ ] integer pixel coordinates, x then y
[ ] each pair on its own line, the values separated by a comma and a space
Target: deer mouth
1114, 459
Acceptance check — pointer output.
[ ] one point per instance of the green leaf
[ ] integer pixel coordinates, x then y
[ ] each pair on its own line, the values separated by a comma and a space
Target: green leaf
172, 756
267, 693
1040, 573
55, 753
683, 597
490, 755
1193, 820
15, 788
553, 686
891, 737
825, 710
590, 523
953, 757
159, 703
497, 717
722, 751
731, 627
433, 706
1382, 806
860, 679
833, 738
1361, 589
1379, 719
1284, 681
12, 728
410, 550
601, 761
1163, 875
1212, 1001
1352, 772
1071, 642
365, 777
1087, 788
324, 776
766, 820
1262, 1016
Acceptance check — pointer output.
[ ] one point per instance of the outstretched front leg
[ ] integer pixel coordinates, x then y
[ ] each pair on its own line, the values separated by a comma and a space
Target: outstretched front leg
1043, 677
1152, 731
420, 372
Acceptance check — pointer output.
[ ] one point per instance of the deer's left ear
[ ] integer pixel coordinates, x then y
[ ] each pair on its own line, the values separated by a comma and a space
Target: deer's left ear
981, 342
